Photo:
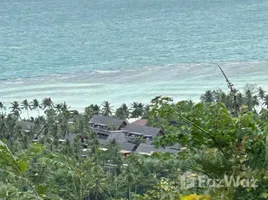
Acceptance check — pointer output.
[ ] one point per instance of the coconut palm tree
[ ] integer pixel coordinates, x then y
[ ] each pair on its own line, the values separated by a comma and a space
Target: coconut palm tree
47, 103
261, 93
58, 107
2, 106
119, 113
266, 101
219, 95
2, 116
26, 106
122, 112
251, 100
65, 107
146, 112
15, 109
89, 111
207, 97
16, 114
106, 109
92, 110
140, 107
99, 181
96, 109
15, 106
240, 99
137, 110
255, 100
35, 105
129, 178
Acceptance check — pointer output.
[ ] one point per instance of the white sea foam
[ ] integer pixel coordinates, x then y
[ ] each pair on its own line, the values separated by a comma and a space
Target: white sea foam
180, 81
89, 59
106, 71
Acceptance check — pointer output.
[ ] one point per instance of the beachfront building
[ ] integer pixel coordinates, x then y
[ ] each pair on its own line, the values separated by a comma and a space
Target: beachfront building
149, 149
134, 137
135, 131
120, 139
103, 126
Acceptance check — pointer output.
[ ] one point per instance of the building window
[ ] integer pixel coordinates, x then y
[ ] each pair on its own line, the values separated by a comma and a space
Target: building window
148, 137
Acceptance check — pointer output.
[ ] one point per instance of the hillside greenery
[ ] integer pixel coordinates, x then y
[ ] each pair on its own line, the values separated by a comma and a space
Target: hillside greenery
217, 142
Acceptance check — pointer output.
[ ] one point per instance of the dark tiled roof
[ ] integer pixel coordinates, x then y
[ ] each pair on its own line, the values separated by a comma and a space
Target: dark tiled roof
148, 149
121, 140
109, 121
101, 131
175, 146
146, 130
127, 146
142, 122
118, 137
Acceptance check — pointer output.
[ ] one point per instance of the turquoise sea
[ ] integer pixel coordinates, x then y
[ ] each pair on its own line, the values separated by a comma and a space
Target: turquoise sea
85, 51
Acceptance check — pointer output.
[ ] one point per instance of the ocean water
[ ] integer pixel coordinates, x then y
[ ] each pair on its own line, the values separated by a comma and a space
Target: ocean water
85, 51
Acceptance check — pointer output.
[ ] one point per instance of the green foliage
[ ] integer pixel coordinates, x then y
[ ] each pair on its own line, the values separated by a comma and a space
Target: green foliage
122, 112
106, 109
42, 161
137, 110
165, 190
218, 144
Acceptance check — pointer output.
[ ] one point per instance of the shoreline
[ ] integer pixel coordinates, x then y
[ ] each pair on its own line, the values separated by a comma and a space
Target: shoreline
80, 91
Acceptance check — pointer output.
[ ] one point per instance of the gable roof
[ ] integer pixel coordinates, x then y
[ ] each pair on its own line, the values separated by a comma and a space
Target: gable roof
142, 122
146, 130
118, 137
109, 121
121, 140
149, 149
127, 146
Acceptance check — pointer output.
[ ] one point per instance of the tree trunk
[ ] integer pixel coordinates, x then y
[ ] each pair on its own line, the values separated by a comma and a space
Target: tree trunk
129, 193
115, 183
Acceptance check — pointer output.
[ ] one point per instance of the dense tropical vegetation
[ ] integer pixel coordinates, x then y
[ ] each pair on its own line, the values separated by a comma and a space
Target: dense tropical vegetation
221, 136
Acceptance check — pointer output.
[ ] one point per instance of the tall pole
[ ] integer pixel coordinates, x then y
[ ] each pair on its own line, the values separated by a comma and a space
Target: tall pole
233, 91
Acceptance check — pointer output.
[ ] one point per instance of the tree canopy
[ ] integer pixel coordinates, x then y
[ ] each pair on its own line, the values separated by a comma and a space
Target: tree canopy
39, 160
